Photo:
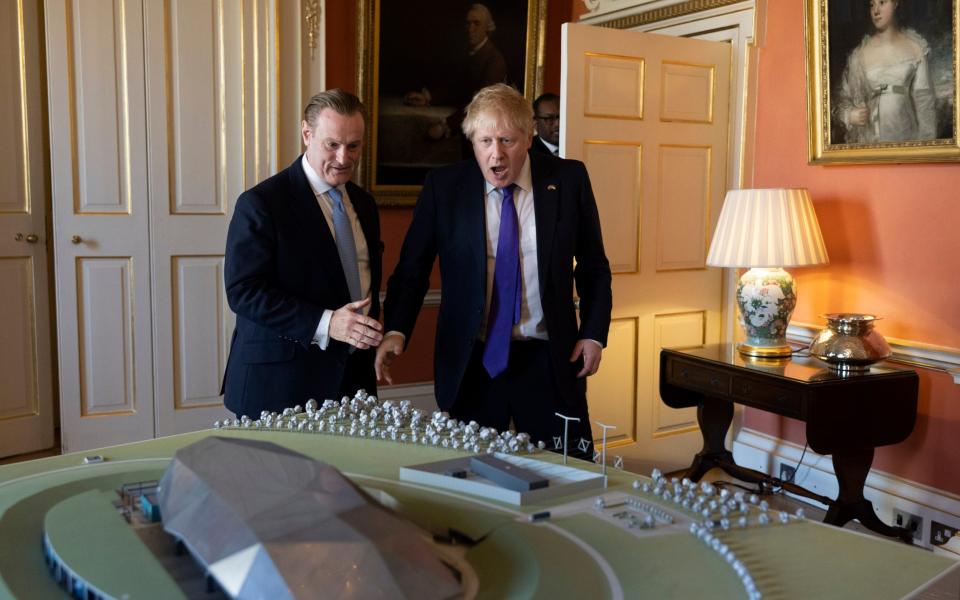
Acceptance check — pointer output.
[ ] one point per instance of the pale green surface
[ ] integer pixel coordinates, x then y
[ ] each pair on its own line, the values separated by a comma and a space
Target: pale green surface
111, 556
530, 561
23, 506
514, 559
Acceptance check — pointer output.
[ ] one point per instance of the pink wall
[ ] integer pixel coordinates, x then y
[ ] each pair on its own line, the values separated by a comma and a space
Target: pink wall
891, 231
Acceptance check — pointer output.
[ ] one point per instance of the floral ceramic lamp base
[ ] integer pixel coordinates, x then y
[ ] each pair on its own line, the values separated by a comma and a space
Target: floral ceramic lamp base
767, 297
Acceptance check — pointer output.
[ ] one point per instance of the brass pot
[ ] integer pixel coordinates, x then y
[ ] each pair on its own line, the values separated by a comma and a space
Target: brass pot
849, 342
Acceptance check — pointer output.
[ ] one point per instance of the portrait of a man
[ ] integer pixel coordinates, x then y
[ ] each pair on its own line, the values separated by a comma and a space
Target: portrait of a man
891, 71
427, 76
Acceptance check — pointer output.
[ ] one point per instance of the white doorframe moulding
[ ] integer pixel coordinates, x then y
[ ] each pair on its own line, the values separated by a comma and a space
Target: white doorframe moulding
907, 352
626, 14
766, 453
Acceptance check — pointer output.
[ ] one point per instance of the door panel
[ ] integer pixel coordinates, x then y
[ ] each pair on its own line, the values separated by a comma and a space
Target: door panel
615, 175
648, 114
26, 394
201, 331
683, 207
211, 136
617, 382
100, 221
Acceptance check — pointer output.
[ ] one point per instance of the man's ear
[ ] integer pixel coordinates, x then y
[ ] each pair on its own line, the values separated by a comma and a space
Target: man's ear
305, 132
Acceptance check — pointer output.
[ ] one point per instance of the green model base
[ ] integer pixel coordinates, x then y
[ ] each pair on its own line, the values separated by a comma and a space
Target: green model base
566, 556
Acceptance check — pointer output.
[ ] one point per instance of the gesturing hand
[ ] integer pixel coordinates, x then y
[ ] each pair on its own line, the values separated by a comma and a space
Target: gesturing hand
348, 325
592, 352
391, 348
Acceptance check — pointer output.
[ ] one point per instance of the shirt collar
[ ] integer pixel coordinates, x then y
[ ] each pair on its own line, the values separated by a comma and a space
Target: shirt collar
318, 185
478, 46
553, 148
524, 180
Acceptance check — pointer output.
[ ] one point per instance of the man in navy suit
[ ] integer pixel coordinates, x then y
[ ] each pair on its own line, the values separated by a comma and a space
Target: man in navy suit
546, 116
507, 227
302, 272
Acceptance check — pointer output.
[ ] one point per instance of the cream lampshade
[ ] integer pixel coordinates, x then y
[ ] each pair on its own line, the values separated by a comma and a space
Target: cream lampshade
767, 230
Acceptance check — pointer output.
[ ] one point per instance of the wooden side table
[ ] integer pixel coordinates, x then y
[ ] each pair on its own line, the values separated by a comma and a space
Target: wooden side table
846, 415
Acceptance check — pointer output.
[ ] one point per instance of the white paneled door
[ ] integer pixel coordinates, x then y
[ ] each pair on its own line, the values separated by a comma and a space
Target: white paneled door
26, 392
161, 113
648, 114
98, 161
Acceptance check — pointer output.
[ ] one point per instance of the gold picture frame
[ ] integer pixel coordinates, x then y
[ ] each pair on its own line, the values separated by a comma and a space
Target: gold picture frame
420, 48
863, 109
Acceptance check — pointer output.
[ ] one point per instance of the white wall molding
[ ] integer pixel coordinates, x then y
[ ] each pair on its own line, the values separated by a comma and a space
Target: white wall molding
766, 453
628, 14
908, 352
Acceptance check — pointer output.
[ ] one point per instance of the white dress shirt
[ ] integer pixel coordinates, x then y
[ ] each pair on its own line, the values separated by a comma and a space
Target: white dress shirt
551, 147
531, 325
320, 189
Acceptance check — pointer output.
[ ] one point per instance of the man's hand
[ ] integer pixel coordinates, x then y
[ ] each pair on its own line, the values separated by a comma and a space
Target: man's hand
421, 98
391, 348
591, 352
348, 325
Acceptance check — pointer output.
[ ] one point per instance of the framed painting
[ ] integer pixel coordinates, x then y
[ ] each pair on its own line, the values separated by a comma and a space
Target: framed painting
882, 81
419, 62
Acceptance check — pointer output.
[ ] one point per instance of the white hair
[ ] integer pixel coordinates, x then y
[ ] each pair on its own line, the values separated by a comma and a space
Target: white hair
486, 15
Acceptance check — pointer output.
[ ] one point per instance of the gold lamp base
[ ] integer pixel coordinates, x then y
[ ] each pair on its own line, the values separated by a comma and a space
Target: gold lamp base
773, 351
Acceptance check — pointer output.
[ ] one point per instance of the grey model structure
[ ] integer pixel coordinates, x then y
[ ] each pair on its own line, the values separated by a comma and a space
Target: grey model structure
268, 522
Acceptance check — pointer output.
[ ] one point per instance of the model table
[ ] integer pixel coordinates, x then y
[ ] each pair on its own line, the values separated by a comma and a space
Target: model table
578, 552
847, 415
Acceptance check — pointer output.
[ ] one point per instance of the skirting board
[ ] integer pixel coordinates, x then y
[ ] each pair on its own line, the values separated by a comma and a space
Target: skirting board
420, 394
887, 492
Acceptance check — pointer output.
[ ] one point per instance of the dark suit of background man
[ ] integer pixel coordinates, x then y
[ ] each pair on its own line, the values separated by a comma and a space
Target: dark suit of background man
302, 272
542, 208
546, 116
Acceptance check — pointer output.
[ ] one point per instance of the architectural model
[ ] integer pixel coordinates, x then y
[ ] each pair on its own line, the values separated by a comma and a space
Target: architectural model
268, 522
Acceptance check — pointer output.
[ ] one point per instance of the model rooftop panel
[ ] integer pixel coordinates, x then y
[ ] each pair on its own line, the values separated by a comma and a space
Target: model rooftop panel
270, 522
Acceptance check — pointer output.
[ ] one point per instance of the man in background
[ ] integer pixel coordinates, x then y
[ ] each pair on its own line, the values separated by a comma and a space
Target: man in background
546, 116
508, 227
302, 272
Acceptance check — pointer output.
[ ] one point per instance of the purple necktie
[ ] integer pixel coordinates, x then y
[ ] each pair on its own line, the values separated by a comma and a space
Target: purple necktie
505, 300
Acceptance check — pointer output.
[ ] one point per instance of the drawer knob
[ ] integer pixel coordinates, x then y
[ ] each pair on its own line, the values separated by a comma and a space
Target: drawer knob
684, 374
714, 381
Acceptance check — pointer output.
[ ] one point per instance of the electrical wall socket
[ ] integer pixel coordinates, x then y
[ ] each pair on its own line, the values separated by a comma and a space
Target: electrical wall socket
910, 521
940, 533
787, 472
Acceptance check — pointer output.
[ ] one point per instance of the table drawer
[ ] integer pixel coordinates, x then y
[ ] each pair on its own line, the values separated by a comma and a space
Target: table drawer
696, 377
777, 399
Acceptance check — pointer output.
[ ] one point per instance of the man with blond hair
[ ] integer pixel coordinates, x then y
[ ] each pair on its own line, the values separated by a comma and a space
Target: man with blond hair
508, 227
302, 272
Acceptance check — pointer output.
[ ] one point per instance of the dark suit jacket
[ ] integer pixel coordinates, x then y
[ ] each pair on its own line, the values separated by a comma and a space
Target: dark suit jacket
539, 147
449, 222
281, 271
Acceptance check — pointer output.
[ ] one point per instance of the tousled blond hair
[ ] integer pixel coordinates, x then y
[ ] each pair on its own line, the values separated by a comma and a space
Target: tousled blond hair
499, 102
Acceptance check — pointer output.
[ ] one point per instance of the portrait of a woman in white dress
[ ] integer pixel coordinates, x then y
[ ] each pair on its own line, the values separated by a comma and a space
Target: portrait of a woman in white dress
886, 92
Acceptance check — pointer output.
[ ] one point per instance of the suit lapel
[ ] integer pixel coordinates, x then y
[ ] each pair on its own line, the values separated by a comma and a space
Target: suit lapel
472, 200
320, 245
546, 200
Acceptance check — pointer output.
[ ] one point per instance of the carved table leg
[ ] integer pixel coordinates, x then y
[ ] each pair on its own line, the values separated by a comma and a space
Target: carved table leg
714, 417
851, 467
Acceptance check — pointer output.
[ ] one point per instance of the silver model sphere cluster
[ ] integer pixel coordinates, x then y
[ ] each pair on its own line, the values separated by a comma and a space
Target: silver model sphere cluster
365, 417
720, 511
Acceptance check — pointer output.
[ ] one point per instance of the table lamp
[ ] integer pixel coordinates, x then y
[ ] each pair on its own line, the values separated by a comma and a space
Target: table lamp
767, 230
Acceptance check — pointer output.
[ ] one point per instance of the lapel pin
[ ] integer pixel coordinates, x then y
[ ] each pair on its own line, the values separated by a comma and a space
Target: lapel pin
551, 187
